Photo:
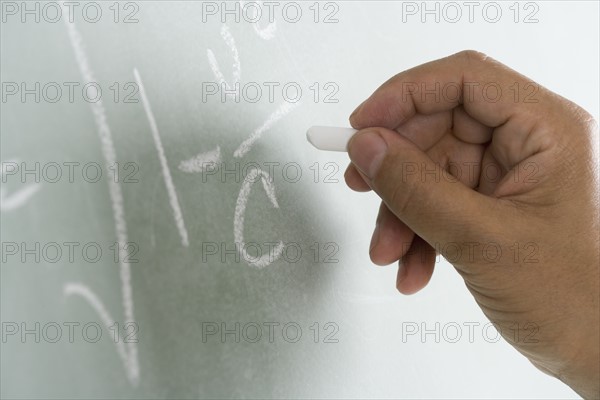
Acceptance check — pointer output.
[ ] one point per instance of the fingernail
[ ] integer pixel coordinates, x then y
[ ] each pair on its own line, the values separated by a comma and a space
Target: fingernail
375, 237
401, 273
366, 150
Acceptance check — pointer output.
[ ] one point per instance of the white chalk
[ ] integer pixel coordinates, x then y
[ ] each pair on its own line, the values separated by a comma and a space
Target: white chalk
109, 152
330, 138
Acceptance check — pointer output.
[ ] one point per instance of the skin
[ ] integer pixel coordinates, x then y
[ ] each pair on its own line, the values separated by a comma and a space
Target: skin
505, 187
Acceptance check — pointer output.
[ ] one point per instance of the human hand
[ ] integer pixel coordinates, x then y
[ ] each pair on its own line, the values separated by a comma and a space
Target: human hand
500, 176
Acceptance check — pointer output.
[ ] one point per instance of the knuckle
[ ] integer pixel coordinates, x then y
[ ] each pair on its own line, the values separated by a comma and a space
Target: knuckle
585, 118
473, 56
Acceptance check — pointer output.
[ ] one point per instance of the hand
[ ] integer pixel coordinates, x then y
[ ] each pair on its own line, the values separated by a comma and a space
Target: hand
499, 175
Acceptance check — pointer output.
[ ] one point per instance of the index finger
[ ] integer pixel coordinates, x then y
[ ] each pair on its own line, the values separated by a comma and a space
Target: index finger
489, 91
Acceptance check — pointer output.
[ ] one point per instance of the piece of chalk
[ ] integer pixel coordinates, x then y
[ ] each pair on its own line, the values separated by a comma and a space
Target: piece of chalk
330, 138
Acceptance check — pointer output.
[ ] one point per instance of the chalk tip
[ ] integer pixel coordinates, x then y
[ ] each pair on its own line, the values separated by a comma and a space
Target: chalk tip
310, 134
329, 138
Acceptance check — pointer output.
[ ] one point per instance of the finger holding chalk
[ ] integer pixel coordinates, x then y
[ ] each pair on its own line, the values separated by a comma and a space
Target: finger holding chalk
330, 138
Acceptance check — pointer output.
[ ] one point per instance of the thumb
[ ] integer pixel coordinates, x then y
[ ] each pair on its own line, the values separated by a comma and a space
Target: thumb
428, 199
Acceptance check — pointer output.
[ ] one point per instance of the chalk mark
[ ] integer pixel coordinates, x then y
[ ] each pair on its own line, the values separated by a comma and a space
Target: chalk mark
86, 293
214, 65
166, 172
201, 162
129, 350
20, 197
238, 219
275, 116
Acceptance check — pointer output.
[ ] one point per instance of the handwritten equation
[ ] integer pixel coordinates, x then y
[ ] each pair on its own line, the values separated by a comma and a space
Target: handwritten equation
128, 350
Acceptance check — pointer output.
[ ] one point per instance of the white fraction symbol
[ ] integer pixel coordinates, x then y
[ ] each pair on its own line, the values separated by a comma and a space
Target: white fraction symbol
126, 348
19, 198
201, 161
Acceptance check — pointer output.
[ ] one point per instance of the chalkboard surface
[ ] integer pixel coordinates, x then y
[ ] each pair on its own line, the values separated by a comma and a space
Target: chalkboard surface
167, 231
